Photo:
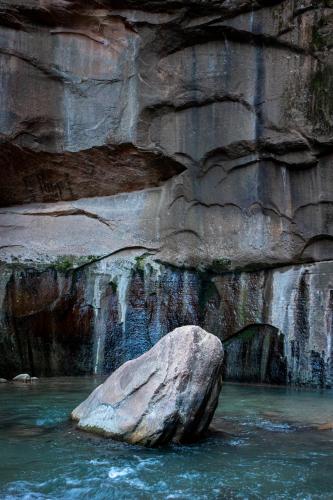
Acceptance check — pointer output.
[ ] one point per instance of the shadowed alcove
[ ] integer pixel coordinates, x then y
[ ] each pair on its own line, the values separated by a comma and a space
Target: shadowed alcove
256, 354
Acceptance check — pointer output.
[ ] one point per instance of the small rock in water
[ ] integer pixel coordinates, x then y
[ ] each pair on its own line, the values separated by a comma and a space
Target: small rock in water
23, 377
3, 380
170, 393
328, 426
34, 379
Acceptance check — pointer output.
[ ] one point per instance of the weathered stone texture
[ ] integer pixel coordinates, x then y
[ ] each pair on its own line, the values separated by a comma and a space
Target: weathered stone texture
104, 314
197, 132
166, 395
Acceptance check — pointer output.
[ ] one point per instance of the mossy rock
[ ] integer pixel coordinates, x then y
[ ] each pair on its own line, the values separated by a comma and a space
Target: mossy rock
219, 266
68, 262
141, 264
322, 32
114, 286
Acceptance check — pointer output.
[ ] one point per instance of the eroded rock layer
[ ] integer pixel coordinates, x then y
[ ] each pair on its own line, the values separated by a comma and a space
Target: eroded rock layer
162, 148
99, 316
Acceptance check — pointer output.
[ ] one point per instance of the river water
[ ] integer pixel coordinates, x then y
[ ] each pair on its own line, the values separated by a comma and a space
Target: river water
267, 444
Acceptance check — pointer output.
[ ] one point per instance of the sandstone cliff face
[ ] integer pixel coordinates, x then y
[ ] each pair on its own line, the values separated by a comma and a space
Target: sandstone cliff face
178, 154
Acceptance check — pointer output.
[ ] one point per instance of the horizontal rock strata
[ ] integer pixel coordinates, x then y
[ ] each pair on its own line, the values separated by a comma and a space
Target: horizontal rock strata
197, 135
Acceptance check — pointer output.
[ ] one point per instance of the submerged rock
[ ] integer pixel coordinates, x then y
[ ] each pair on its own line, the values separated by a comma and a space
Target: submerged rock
327, 426
168, 394
22, 377
3, 380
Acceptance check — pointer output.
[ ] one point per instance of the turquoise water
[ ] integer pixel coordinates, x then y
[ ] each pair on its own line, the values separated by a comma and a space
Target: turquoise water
267, 445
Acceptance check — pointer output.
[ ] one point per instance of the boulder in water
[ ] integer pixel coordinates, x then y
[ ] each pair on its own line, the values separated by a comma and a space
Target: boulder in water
3, 380
168, 394
22, 377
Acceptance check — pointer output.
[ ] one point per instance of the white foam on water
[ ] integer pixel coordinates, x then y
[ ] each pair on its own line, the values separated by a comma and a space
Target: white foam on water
273, 426
181, 494
98, 462
147, 462
137, 483
189, 475
73, 482
237, 442
118, 472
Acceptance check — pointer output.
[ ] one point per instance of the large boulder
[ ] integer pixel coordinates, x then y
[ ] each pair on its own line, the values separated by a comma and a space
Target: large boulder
22, 377
168, 394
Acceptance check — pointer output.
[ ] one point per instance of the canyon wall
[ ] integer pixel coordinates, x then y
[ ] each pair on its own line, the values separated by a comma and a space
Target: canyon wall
166, 163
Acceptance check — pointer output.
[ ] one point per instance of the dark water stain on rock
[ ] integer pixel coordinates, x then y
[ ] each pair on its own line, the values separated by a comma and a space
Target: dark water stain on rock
256, 354
92, 320
49, 328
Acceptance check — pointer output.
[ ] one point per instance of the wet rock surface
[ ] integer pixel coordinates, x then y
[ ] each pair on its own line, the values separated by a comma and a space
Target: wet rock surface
256, 354
22, 377
101, 315
198, 133
166, 395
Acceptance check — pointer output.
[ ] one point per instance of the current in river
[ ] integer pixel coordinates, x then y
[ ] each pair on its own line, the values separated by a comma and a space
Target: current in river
269, 442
